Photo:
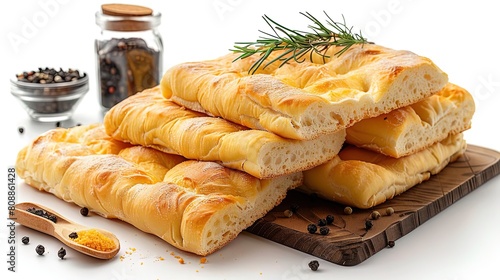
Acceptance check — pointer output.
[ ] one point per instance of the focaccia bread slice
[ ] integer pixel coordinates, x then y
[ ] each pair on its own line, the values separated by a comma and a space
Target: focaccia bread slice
195, 206
148, 119
364, 179
412, 128
304, 100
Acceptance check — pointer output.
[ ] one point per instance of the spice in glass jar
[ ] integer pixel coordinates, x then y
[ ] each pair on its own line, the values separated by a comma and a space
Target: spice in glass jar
129, 52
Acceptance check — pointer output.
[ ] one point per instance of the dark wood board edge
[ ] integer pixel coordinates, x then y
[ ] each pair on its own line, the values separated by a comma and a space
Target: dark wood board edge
356, 249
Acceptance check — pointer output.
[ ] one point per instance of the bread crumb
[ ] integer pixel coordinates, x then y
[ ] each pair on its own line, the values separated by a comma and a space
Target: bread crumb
179, 258
203, 260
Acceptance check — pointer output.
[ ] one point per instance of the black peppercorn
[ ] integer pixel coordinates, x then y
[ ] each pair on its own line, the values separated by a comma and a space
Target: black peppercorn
324, 230
40, 249
321, 222
21, 130
49, 75
329, 219
368, 224
73, 235
52, 218
84, 211
314, 265
375, 215
294, 208
25, 240
391, 243
312, 228
42, 213
61, 253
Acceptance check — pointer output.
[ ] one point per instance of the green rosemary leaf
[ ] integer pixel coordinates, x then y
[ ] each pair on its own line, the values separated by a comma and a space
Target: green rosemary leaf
296, 44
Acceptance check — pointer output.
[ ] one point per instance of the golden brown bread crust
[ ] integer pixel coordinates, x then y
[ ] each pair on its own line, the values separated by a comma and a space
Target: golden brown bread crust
149, 119
305, 100
195, 206
364, 179
412, 128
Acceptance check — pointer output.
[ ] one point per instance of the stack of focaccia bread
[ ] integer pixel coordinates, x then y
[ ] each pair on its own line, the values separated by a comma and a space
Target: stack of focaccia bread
213, 148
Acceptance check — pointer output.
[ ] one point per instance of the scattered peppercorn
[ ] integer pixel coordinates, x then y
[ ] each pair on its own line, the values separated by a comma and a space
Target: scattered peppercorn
389, 211
40, 250
288, 213
314, 265
73, 235
375, 215
321, 222
21, 129
368, 224
84, 211
329, 219
25, 240
312, 228
391, 243
294, 208
42, 213
324, 230
58, 124
61, 253
348, 210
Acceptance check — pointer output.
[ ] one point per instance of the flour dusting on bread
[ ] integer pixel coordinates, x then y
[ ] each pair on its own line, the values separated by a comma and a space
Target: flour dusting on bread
307, 99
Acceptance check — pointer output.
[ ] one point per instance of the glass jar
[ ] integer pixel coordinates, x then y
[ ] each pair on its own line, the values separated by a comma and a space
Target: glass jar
129, 52
50, 102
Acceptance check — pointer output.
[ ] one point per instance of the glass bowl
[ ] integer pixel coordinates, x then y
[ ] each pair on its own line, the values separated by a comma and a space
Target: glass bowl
50, 102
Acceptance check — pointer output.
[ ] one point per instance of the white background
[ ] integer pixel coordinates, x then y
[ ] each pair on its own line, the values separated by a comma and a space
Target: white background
461, 37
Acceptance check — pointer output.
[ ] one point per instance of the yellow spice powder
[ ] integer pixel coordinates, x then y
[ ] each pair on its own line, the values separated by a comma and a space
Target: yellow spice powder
95, 240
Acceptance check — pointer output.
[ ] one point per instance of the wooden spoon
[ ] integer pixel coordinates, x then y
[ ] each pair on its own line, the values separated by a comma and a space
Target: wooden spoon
61, 229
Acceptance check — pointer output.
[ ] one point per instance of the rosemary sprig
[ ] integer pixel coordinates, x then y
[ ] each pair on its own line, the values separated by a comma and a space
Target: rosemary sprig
296, 44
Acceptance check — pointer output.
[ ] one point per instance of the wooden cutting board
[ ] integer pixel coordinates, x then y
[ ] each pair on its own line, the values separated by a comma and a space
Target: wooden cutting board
348, 241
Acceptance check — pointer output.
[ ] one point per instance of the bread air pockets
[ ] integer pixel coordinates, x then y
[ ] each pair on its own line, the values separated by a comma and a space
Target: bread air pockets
148, 119
413, 128
363, 179
195, 206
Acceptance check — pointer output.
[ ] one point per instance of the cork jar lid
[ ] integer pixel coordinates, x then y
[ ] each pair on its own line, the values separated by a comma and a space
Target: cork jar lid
125, 10
125, 17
